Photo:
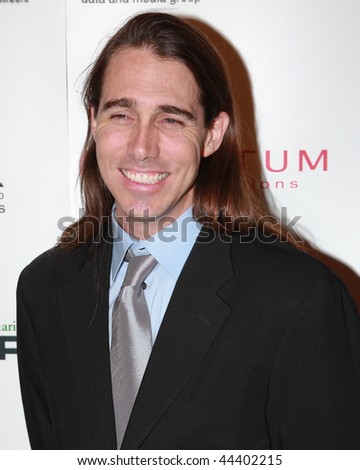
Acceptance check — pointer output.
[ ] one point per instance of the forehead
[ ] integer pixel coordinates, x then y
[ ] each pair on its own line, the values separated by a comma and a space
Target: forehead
140, 74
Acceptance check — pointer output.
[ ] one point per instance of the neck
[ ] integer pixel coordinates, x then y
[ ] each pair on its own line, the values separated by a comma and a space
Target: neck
143, 228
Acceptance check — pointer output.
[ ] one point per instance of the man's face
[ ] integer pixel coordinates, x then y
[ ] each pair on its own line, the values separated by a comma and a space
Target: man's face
150, 135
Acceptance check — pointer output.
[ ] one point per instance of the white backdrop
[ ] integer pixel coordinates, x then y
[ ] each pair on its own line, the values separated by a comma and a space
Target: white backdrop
296, 66
33, 166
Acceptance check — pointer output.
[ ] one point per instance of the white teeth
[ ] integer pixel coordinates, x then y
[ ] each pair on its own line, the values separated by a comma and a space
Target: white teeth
144, 178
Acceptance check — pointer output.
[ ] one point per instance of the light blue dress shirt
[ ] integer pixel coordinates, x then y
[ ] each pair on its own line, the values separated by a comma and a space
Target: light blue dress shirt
170, 247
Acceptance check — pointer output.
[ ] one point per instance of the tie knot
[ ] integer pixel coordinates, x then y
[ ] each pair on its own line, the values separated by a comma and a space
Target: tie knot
139, 268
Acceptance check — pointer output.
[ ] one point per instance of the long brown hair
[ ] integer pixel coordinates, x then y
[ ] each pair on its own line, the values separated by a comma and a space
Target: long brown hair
223, 197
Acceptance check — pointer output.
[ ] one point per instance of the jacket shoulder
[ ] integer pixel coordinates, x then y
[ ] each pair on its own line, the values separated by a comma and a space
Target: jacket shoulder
53, 265
278, 265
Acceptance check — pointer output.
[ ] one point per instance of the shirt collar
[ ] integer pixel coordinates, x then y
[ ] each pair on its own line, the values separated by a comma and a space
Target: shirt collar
121, 243
170, 247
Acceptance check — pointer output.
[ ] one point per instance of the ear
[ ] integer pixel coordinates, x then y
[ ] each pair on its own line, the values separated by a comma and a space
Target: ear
93, 122
215, 134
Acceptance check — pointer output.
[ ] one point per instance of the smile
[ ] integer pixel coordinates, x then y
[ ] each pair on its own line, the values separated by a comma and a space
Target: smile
144, 178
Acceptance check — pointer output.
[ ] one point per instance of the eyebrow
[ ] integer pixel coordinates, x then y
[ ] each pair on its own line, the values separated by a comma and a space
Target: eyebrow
120, 103
165, 108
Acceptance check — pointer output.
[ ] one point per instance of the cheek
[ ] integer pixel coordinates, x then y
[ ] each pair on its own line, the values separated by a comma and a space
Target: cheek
110, 134
108, 144
184, 150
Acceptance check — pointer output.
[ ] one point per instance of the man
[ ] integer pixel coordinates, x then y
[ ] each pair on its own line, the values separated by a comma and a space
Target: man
254, 344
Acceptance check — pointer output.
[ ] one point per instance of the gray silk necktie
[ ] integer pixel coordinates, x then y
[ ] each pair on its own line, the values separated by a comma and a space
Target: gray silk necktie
131, 339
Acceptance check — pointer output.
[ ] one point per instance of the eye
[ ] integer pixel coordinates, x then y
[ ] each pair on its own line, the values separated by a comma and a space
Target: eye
171, 122
120, 116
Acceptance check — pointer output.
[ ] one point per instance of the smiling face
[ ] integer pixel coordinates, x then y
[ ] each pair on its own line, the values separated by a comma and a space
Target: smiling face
150, 136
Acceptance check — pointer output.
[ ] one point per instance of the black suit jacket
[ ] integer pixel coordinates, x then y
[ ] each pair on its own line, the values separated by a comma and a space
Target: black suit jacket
259, 349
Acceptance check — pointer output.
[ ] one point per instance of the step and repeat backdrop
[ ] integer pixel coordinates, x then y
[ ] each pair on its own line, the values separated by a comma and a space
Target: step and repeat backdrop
295, 66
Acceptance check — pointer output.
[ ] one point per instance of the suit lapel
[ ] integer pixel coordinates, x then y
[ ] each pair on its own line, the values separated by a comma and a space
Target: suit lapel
195, 314
83, 302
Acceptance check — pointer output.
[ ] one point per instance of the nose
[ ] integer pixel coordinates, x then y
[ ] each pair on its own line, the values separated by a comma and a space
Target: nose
143, 142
